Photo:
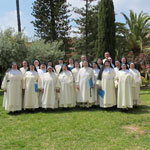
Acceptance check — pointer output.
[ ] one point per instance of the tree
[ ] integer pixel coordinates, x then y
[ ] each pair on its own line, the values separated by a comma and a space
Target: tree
87, 25
12, 49
18, 16
52, 20
136, 31
106, 28
45, 51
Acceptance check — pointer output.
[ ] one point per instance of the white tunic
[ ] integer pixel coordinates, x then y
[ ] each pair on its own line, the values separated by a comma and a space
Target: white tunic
41, 75
136, 90
31, 95
75, 72
107, 84
49, 99
12, 83
58, 68
96, 72
23, 70
125, 84
65, 84
86, 94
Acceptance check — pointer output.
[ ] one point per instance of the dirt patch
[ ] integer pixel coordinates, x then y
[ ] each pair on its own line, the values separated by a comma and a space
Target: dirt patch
134, 129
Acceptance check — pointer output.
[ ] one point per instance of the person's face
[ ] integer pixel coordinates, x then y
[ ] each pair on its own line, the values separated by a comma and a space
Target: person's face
76, 65
94, 66
85, 64
60, 61
70, 61
83, 58
49, 63
99, 61
117, 64
43, 67
31, 67
64, 68
24, 64
49, 69
124, 67
107, 64
143, 66
123, 60
36, 63
106, 55
132, 66
14, 66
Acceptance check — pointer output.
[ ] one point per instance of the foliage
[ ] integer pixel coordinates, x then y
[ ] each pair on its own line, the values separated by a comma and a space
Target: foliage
45, 51
77, 129
52, 21
136, 31
12, 48
87, 25
106, 28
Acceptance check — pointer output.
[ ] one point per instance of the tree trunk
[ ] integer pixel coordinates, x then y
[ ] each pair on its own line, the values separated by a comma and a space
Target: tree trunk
18, 16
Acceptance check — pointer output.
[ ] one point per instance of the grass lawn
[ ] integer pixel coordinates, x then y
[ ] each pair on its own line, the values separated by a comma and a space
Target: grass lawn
77, 129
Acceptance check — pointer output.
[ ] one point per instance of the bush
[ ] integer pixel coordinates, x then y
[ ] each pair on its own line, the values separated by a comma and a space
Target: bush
45, 51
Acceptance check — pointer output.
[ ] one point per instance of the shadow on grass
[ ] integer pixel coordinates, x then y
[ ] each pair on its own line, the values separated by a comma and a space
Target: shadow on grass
142, 109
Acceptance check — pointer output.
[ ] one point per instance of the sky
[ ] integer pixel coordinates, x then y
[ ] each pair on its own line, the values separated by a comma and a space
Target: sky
8, 12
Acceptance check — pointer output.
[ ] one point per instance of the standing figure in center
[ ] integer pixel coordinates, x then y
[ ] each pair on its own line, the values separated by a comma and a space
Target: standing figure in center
49, 99
106, 79
65, 88
85, 85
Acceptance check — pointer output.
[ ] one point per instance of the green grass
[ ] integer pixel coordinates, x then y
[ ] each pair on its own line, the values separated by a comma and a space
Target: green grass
77, 129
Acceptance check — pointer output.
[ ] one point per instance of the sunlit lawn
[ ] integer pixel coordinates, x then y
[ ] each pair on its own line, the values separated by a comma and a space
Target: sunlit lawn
77, 129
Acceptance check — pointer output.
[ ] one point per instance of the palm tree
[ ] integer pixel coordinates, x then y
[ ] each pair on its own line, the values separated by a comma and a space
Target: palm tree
18, 16
136, 31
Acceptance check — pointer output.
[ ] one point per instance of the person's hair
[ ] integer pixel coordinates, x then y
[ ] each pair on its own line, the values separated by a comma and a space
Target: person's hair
102, 69
43, 64
94, 63
26, 62
76, 62
62, 68
125, 65
34, 67
52, 64
36, 60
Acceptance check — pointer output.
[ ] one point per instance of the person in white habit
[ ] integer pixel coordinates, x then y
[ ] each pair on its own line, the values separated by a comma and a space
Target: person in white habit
75, 72
65, 88
136, 90
106, 55
117, 66
12, 86
96, 72
49, 98
126, 84
86, 92
31, 86
36, 64
71, 64
24, 67
41, 73
59, 66
83, 58
106, 82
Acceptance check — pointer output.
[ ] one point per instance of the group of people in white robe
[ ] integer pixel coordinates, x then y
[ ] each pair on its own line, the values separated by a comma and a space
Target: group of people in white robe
65, 86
